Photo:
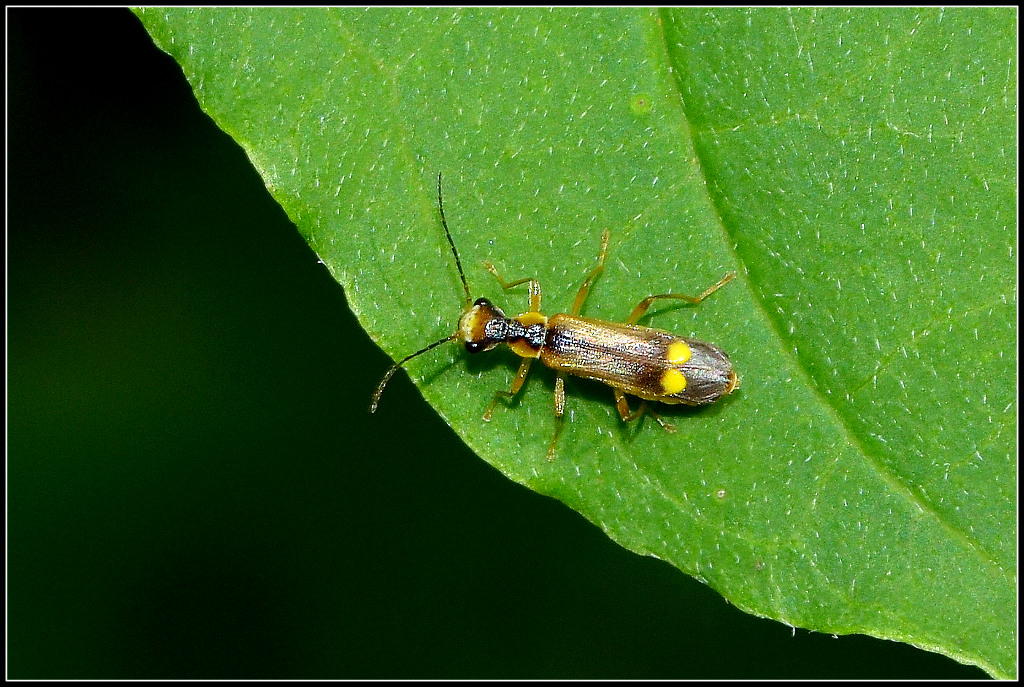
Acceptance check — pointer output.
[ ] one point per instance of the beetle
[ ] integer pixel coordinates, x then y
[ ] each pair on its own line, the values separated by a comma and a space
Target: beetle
651, 364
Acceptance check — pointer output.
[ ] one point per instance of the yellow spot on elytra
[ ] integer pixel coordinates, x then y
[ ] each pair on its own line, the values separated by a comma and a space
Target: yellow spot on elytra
678, 353
673, 381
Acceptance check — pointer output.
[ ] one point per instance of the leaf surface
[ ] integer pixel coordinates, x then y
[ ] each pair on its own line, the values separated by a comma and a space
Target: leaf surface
856, 167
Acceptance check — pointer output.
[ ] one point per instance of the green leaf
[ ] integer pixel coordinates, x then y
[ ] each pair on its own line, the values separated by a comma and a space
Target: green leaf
856, 167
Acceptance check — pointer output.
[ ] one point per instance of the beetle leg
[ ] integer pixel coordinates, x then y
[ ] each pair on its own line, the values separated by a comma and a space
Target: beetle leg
560, 395
667, 426
534, 285
623, 407
581, 295
517, 384
559, 412
639, 310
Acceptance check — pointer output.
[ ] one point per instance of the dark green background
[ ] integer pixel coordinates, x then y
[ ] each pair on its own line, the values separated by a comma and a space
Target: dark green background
195, 488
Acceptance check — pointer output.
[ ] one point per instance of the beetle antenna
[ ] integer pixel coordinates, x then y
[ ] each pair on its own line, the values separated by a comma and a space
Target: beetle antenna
448, 235
469, 299
403, 361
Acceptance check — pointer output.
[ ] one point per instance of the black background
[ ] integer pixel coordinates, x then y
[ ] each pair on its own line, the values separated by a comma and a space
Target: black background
194, 486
